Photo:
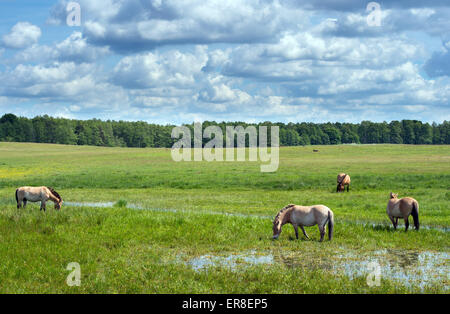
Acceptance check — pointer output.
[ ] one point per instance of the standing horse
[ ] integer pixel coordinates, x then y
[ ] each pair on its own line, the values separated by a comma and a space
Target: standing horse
342, 181
304, 216
402, 208
37, 194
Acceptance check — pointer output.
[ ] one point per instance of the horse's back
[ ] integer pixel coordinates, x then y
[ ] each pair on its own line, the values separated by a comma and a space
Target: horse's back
401, 207
407, 204
408, 200
321, 208
343, 178
310, 215
31, 193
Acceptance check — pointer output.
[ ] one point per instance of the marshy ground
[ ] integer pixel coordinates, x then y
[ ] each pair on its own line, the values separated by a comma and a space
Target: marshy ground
136, 221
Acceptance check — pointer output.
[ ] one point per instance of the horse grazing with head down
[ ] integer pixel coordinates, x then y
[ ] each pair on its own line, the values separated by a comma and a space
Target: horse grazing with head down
37, 194
304, 216
342, 181
402, 208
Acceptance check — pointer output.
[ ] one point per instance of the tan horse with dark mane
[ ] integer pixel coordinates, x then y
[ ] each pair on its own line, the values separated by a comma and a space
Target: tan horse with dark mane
37, 194
342, 181
402, 208
304, 216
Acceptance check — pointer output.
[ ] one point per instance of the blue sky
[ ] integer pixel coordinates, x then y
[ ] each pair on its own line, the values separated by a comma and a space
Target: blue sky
167, 61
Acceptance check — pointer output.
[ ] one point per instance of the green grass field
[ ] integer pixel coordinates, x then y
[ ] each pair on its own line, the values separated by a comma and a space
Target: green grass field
219, 214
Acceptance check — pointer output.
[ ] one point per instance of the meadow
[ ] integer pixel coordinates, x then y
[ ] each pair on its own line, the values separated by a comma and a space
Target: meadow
206, 227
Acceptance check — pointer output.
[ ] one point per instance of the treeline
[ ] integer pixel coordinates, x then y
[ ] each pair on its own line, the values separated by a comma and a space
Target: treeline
45, 129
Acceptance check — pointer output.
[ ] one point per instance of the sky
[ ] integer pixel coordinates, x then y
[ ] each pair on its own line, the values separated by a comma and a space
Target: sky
173, 61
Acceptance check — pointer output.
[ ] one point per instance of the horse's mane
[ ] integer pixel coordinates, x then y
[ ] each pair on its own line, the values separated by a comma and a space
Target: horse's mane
282, 212
54, 193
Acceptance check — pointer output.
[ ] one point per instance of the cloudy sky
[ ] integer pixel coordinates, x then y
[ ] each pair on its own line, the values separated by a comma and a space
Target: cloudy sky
176, 61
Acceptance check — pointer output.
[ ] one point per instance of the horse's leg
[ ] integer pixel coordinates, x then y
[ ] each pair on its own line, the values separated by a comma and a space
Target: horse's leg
24, 203
393, 222
43, 205
322, 232
396, 222
296, 231
348, 187
304, 232
406, 223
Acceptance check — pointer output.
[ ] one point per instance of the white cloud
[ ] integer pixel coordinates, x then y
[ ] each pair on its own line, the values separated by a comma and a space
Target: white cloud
178, 61
74, 48
150, 70
135, 25
22, 35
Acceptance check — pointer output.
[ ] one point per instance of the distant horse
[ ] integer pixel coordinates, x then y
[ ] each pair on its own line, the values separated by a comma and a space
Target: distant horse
342, 181
38, 194
402, 208
304, 216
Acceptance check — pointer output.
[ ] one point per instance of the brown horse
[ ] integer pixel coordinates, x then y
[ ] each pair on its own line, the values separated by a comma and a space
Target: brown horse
342, 181
304, 216
37, 194
402, 208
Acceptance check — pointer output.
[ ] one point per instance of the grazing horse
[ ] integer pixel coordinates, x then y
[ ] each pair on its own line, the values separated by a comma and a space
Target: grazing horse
402, 208
304, 216
38, 194
342, 181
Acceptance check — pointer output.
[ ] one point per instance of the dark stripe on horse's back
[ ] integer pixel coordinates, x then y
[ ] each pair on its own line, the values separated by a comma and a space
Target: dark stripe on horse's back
345, 176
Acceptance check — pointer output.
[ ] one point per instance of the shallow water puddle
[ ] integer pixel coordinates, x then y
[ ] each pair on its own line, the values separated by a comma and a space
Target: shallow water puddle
412, 269
232, 261
164, 210
93, 204
172, 210
381, 226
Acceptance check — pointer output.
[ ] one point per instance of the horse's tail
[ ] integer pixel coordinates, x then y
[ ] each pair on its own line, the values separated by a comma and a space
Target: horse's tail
17, 196
415, 214
330, 224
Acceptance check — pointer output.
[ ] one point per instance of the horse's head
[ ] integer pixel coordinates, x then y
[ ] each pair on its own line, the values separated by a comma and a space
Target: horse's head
281, 218
393, 195
276, 228
58, 204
